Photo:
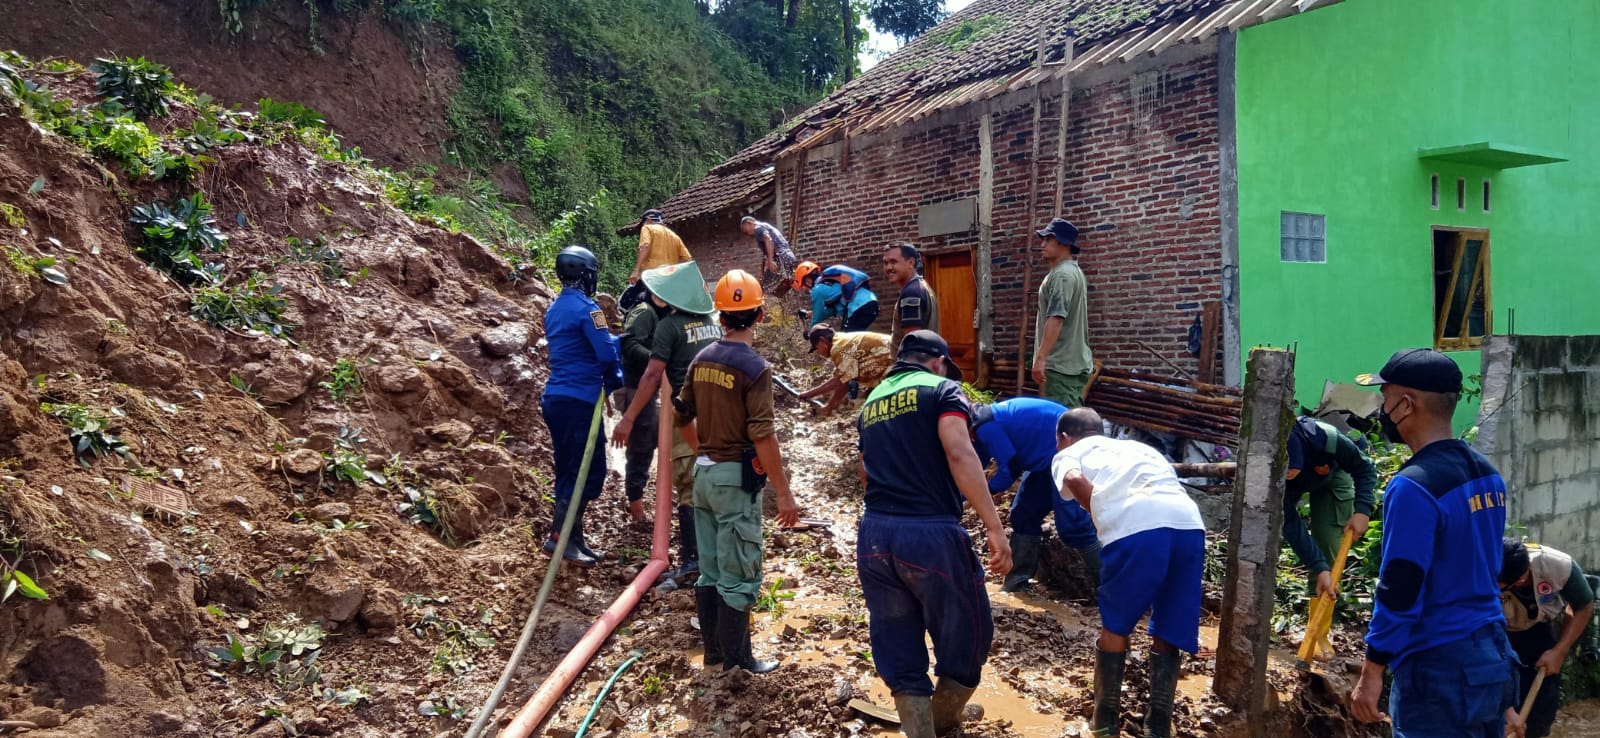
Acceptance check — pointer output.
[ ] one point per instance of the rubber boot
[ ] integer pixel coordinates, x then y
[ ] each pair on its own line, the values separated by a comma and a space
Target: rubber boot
733, 628
916, 715
578, 539
950, 700
571, 554
688, 548
1024, 562
706, 600
1107, 720
1164, 672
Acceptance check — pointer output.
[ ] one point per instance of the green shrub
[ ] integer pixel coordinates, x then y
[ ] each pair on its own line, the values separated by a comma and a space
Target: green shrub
293, 113
254, 306
286, 651
89, 430
141, 86
343, 383
174, 239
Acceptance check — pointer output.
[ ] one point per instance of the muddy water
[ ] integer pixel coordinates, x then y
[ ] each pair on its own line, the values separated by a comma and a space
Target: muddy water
1578, 720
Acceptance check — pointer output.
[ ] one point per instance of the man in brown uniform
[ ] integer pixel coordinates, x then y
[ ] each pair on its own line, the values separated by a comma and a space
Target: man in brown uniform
725, 413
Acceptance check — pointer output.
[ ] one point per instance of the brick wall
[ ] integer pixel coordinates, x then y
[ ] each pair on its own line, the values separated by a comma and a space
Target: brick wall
1144, 192
718, 245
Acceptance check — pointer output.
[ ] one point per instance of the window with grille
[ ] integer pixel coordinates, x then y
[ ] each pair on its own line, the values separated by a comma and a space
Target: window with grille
1302, 238
1461, 313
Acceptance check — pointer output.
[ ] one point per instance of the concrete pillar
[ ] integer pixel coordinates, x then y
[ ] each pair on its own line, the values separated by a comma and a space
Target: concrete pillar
1254, 535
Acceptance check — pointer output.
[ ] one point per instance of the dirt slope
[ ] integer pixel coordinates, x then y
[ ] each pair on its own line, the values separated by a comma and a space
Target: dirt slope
445, 344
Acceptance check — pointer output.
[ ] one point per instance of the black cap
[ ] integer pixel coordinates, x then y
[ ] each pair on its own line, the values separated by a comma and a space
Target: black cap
1420, 369
1064, 232
817, 333
652, 216
928, 342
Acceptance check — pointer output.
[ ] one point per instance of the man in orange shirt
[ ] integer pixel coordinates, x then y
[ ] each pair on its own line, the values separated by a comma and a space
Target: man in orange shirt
658, 246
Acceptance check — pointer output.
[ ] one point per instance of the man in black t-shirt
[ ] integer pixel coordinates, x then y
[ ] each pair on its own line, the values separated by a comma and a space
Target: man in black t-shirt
1539, 584
918, 572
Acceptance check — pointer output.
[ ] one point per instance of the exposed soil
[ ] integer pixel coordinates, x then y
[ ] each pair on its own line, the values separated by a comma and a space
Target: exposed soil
383, 86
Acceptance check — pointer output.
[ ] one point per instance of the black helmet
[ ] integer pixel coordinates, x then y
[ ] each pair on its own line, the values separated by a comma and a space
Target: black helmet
577, 267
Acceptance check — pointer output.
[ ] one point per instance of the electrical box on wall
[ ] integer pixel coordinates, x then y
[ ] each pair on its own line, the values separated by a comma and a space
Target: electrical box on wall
940, 218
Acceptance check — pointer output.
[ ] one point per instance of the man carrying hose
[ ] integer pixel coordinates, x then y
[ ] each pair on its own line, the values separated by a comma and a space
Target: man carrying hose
725, 413
918, 573
680, 334
1328, 466
1538, 585
584, 363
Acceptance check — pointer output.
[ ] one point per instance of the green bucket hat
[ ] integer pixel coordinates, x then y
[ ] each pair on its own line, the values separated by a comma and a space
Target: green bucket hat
681, 286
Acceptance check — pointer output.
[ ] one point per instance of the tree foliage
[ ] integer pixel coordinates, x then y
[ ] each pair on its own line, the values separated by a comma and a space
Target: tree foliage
905, 19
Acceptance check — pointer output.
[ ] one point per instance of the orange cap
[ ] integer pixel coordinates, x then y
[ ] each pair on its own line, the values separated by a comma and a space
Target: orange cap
802, 270
738, 291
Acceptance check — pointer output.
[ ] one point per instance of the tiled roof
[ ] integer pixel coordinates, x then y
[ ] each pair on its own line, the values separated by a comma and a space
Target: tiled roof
713, 194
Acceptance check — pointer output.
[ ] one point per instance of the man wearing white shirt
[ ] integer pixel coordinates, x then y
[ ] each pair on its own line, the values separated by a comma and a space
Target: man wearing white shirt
1152, 550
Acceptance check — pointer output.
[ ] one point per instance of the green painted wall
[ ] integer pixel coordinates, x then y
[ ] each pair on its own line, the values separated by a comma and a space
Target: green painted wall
1332, 108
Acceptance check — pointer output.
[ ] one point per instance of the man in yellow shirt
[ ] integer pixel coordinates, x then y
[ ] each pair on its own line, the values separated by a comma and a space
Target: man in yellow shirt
658, 246
860, 358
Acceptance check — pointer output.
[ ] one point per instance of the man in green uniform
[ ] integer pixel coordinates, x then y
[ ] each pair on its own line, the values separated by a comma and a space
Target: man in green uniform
725, 411
638, 335
1328, 466
1061, 358
679, 335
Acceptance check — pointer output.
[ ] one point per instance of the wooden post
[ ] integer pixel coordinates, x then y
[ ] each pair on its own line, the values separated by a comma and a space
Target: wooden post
983, 261
1025, 362
1254, 535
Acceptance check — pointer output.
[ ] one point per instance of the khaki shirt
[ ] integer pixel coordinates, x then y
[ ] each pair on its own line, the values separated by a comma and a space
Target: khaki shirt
729, 399
665, 246
861, 357
1065, 294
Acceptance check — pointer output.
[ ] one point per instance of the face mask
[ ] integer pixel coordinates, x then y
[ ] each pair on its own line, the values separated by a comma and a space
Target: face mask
1388, 428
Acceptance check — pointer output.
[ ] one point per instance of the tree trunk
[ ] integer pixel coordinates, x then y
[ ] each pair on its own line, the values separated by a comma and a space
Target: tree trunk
847, 19
793, 16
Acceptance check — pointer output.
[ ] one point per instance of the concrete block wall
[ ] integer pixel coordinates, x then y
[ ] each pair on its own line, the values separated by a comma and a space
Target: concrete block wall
1540, 425
1142, 185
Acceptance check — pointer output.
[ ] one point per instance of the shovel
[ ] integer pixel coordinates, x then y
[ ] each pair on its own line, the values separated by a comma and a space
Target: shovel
784, 385
1527, 704
881, 714
1320, 619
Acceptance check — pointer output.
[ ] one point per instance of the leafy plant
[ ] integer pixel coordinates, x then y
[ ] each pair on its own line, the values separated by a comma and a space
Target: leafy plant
25, 265
344, 381
12, 215
772, 599
461, 642
252, 305
315, 250
140, 85
15, 582
653, 684
286, 651
174, 239
346, 461
446, 707
292, 113
89, 431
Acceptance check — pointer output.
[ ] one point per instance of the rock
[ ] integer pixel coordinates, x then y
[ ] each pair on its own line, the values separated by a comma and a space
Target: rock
327, 512
238, 505
302, 462
283, 380
41, 716
309, 723
163, 723
141, 368
400, 379
232, 589
567, 635
506, 339
502, 479
334, 598
451, 431
379, 613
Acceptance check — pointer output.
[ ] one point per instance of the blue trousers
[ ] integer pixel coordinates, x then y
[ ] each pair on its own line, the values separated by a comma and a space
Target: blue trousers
920, 576
1457, 690
1038, 497
1157, 571
568, 420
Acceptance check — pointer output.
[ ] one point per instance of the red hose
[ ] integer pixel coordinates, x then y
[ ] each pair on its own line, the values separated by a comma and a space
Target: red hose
560, 679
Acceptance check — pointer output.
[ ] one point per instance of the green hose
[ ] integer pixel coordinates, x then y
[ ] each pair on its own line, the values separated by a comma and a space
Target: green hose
583, 727
485, 714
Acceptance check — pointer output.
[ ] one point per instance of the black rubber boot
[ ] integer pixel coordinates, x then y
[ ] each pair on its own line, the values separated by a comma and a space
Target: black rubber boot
1024, 562
950, 703
578, 539
916, 715
733, 629
1164, 672
1107, 720
688, 547
706, 600
572, 553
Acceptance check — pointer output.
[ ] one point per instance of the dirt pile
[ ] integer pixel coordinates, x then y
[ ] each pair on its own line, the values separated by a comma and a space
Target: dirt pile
329, 481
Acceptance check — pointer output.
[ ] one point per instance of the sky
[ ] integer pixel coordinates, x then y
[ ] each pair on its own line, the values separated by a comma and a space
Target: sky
880, 45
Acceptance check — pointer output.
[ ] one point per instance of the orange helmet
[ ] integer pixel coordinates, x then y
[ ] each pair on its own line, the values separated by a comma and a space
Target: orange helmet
805, 269
738, 291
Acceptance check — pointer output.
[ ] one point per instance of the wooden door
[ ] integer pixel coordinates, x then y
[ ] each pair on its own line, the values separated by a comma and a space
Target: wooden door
951, 277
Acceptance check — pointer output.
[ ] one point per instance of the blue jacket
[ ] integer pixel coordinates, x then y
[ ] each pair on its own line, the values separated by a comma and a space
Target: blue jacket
1445, 514
839, 291
1020, 437
584, 357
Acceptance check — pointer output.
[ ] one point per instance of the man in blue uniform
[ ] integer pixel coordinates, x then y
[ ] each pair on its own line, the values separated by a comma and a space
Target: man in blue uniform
918, 573
1436, 620
584, 364
1019, 435
838, 290
1339, 478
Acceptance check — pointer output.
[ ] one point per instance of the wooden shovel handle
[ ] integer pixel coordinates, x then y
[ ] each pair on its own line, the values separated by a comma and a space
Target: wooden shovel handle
1527, 704
1320, 617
